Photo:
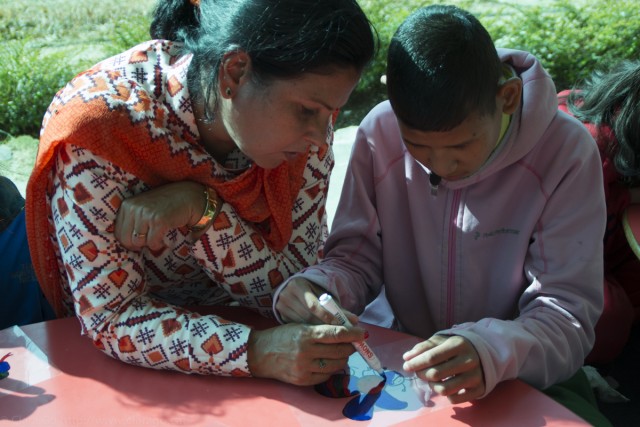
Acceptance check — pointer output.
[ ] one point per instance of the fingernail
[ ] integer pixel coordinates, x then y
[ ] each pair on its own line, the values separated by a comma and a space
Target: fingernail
366, 334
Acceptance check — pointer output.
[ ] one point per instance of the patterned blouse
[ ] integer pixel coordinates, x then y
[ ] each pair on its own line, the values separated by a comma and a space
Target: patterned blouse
131, 303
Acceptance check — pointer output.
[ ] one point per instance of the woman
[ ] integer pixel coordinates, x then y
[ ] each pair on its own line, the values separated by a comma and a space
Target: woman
608, 104
194, 171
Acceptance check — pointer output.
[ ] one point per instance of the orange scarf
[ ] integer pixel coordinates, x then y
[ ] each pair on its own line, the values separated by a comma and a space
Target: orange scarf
104, 125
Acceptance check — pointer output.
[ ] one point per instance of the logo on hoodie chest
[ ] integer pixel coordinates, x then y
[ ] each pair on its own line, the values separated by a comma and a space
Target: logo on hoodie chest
498, 232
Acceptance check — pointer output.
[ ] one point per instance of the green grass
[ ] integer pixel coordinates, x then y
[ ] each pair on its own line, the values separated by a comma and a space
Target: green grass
44, 43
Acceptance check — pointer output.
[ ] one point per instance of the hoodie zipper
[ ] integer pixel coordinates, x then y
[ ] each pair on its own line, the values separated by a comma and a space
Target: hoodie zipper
451, 273
434, 182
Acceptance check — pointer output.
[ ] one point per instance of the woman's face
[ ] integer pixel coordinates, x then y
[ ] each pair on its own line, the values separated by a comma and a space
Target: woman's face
271, 123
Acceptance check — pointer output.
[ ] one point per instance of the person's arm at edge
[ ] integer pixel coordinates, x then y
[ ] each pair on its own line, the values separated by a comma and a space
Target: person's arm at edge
351, 266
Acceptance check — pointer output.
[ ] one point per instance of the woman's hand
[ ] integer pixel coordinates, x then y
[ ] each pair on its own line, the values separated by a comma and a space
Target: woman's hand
451, 366
301, 354
144, 219
298, 302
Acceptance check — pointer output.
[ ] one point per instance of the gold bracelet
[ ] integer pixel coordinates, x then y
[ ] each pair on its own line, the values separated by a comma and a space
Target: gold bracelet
210, 210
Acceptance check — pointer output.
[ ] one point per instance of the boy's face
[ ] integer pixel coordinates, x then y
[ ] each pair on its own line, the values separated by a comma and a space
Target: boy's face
458, 153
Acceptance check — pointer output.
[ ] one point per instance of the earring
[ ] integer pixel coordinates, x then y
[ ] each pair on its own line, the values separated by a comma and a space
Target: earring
228, 91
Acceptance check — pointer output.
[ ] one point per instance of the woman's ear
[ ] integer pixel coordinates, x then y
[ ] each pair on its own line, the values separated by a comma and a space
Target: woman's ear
510, 93
234, 70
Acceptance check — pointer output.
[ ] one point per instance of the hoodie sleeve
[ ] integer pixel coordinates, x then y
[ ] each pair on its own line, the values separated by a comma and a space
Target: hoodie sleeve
352, 268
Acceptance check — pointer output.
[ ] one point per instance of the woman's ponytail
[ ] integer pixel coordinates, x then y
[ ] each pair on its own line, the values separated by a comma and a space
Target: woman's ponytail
174, 19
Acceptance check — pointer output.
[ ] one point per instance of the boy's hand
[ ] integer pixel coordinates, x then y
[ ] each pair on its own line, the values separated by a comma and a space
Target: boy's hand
298, 303
451, 366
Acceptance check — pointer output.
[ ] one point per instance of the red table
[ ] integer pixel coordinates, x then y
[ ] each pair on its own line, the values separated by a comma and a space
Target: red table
59, 379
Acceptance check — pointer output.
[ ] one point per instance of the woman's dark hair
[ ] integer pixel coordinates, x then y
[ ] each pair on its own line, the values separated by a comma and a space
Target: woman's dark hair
613, 99
172, 17
283, 38
441, 66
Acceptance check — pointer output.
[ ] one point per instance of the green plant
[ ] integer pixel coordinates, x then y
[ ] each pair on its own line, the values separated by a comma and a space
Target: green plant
27, 87
128, 32
44, 44
571, 40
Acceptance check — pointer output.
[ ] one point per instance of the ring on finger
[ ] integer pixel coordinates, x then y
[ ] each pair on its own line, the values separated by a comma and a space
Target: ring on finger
139, 235
322, 363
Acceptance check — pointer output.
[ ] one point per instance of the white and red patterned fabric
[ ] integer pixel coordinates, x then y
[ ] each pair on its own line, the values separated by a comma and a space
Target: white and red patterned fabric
120, 129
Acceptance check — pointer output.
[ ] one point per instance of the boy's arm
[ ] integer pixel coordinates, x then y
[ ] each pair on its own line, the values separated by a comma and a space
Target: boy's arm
351, 268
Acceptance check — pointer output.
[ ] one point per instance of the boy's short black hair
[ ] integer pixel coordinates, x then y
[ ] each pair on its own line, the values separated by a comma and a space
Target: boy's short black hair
441, 66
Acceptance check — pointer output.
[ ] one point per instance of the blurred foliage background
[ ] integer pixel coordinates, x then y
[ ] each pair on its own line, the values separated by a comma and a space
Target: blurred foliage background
45, 43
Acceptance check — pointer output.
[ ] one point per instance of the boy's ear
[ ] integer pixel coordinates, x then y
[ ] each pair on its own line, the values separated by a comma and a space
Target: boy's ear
510, 93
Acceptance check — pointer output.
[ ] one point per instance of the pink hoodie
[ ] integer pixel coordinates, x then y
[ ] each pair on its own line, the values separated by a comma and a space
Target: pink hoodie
510, 257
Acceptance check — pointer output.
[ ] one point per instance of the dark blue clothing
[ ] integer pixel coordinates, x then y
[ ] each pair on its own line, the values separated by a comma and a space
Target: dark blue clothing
21, 302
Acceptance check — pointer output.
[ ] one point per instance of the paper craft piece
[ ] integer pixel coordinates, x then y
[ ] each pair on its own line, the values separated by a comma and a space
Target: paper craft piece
368, 392
4, 366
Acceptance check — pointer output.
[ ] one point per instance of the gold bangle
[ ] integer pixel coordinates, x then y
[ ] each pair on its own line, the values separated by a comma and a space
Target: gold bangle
210, 210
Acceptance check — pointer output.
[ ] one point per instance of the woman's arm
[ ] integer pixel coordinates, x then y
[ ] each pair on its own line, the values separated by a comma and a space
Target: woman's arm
238, 258
352, 267
114, 289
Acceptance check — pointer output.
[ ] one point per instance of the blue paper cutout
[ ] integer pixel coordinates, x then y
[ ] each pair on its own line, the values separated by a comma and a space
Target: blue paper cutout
4, 366
370, 392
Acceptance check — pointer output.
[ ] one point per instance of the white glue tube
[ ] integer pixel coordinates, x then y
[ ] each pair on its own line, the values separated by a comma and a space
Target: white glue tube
361, 347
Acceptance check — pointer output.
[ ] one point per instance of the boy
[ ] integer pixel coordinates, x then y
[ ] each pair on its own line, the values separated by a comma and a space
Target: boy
477, 205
